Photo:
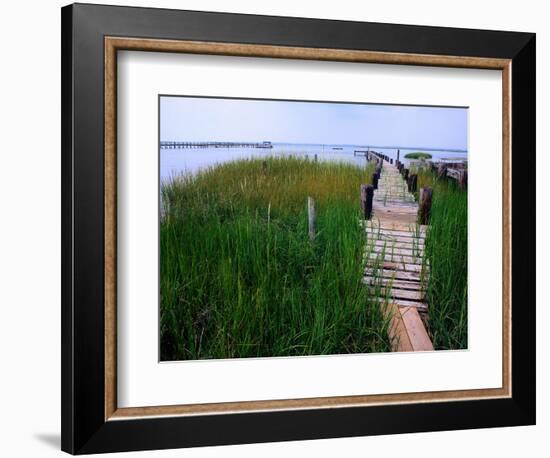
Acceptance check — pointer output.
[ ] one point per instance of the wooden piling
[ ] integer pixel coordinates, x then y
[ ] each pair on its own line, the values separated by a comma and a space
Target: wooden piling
425, 206
413, 180
405, 174
367, 193
311, 217
463, 179
375, 180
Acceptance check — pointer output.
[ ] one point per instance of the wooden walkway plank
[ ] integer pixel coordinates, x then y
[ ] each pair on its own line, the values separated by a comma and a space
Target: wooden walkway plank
393, 250
402, 284
393, 244
389, 273
395, 257
397, 332
420, 341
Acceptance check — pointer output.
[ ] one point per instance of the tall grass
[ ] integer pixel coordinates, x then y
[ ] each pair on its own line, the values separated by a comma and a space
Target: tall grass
447, 251
239, 276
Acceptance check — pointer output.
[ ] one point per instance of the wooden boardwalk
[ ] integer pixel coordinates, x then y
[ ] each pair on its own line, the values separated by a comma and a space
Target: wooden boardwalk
394, 268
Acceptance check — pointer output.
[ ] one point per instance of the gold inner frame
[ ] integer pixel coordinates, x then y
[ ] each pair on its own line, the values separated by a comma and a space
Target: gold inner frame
114, 44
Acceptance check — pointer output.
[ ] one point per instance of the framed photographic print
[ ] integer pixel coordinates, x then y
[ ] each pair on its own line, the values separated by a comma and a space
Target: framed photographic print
281, 228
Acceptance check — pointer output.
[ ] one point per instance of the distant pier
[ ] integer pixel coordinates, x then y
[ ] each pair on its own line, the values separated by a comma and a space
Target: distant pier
180, 145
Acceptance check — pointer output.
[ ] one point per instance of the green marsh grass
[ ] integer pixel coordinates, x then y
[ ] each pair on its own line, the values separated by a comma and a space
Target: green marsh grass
239, 275
446, 250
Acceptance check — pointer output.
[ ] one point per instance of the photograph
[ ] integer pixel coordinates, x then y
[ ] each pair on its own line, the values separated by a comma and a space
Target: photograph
298, 228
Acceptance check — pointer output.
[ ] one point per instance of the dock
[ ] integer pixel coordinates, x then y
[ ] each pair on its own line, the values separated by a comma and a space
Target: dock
395, 269
194, 145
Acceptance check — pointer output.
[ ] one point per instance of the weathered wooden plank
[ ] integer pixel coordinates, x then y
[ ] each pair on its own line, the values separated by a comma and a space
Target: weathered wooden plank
401, 284
402, 266
394, 258
397, 274
420, 234
420, 306
392, 214
400, 195
393, 250
395, 225
393, 203
417, 247
396, 242
416, 331
416, 243
388, 232
411, 231
397, 332
376, 222
396, 228
407, 294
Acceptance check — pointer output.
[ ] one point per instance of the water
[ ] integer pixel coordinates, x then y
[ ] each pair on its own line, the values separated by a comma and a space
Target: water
174, 162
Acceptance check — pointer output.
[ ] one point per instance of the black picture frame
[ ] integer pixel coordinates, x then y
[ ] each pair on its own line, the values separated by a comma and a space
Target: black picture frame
84, 428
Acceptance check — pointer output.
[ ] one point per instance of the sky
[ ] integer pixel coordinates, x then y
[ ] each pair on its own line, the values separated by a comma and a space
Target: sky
216, 119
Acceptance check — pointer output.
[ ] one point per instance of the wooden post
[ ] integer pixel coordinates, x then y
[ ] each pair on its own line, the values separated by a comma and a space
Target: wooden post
441, 171
315, 157
391, 161
425, 207
375, 180
413, 180
311, 217
405, 174
367, 192
463, 179
397, 155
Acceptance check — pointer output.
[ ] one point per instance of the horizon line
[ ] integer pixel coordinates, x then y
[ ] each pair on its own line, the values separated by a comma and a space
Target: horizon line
450, 150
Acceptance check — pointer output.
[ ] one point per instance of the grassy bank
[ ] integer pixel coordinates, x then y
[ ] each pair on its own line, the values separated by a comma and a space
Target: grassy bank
239, 276
447, 251
418, 155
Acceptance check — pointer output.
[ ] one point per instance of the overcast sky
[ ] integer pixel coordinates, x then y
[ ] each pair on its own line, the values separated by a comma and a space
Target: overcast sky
205, 119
